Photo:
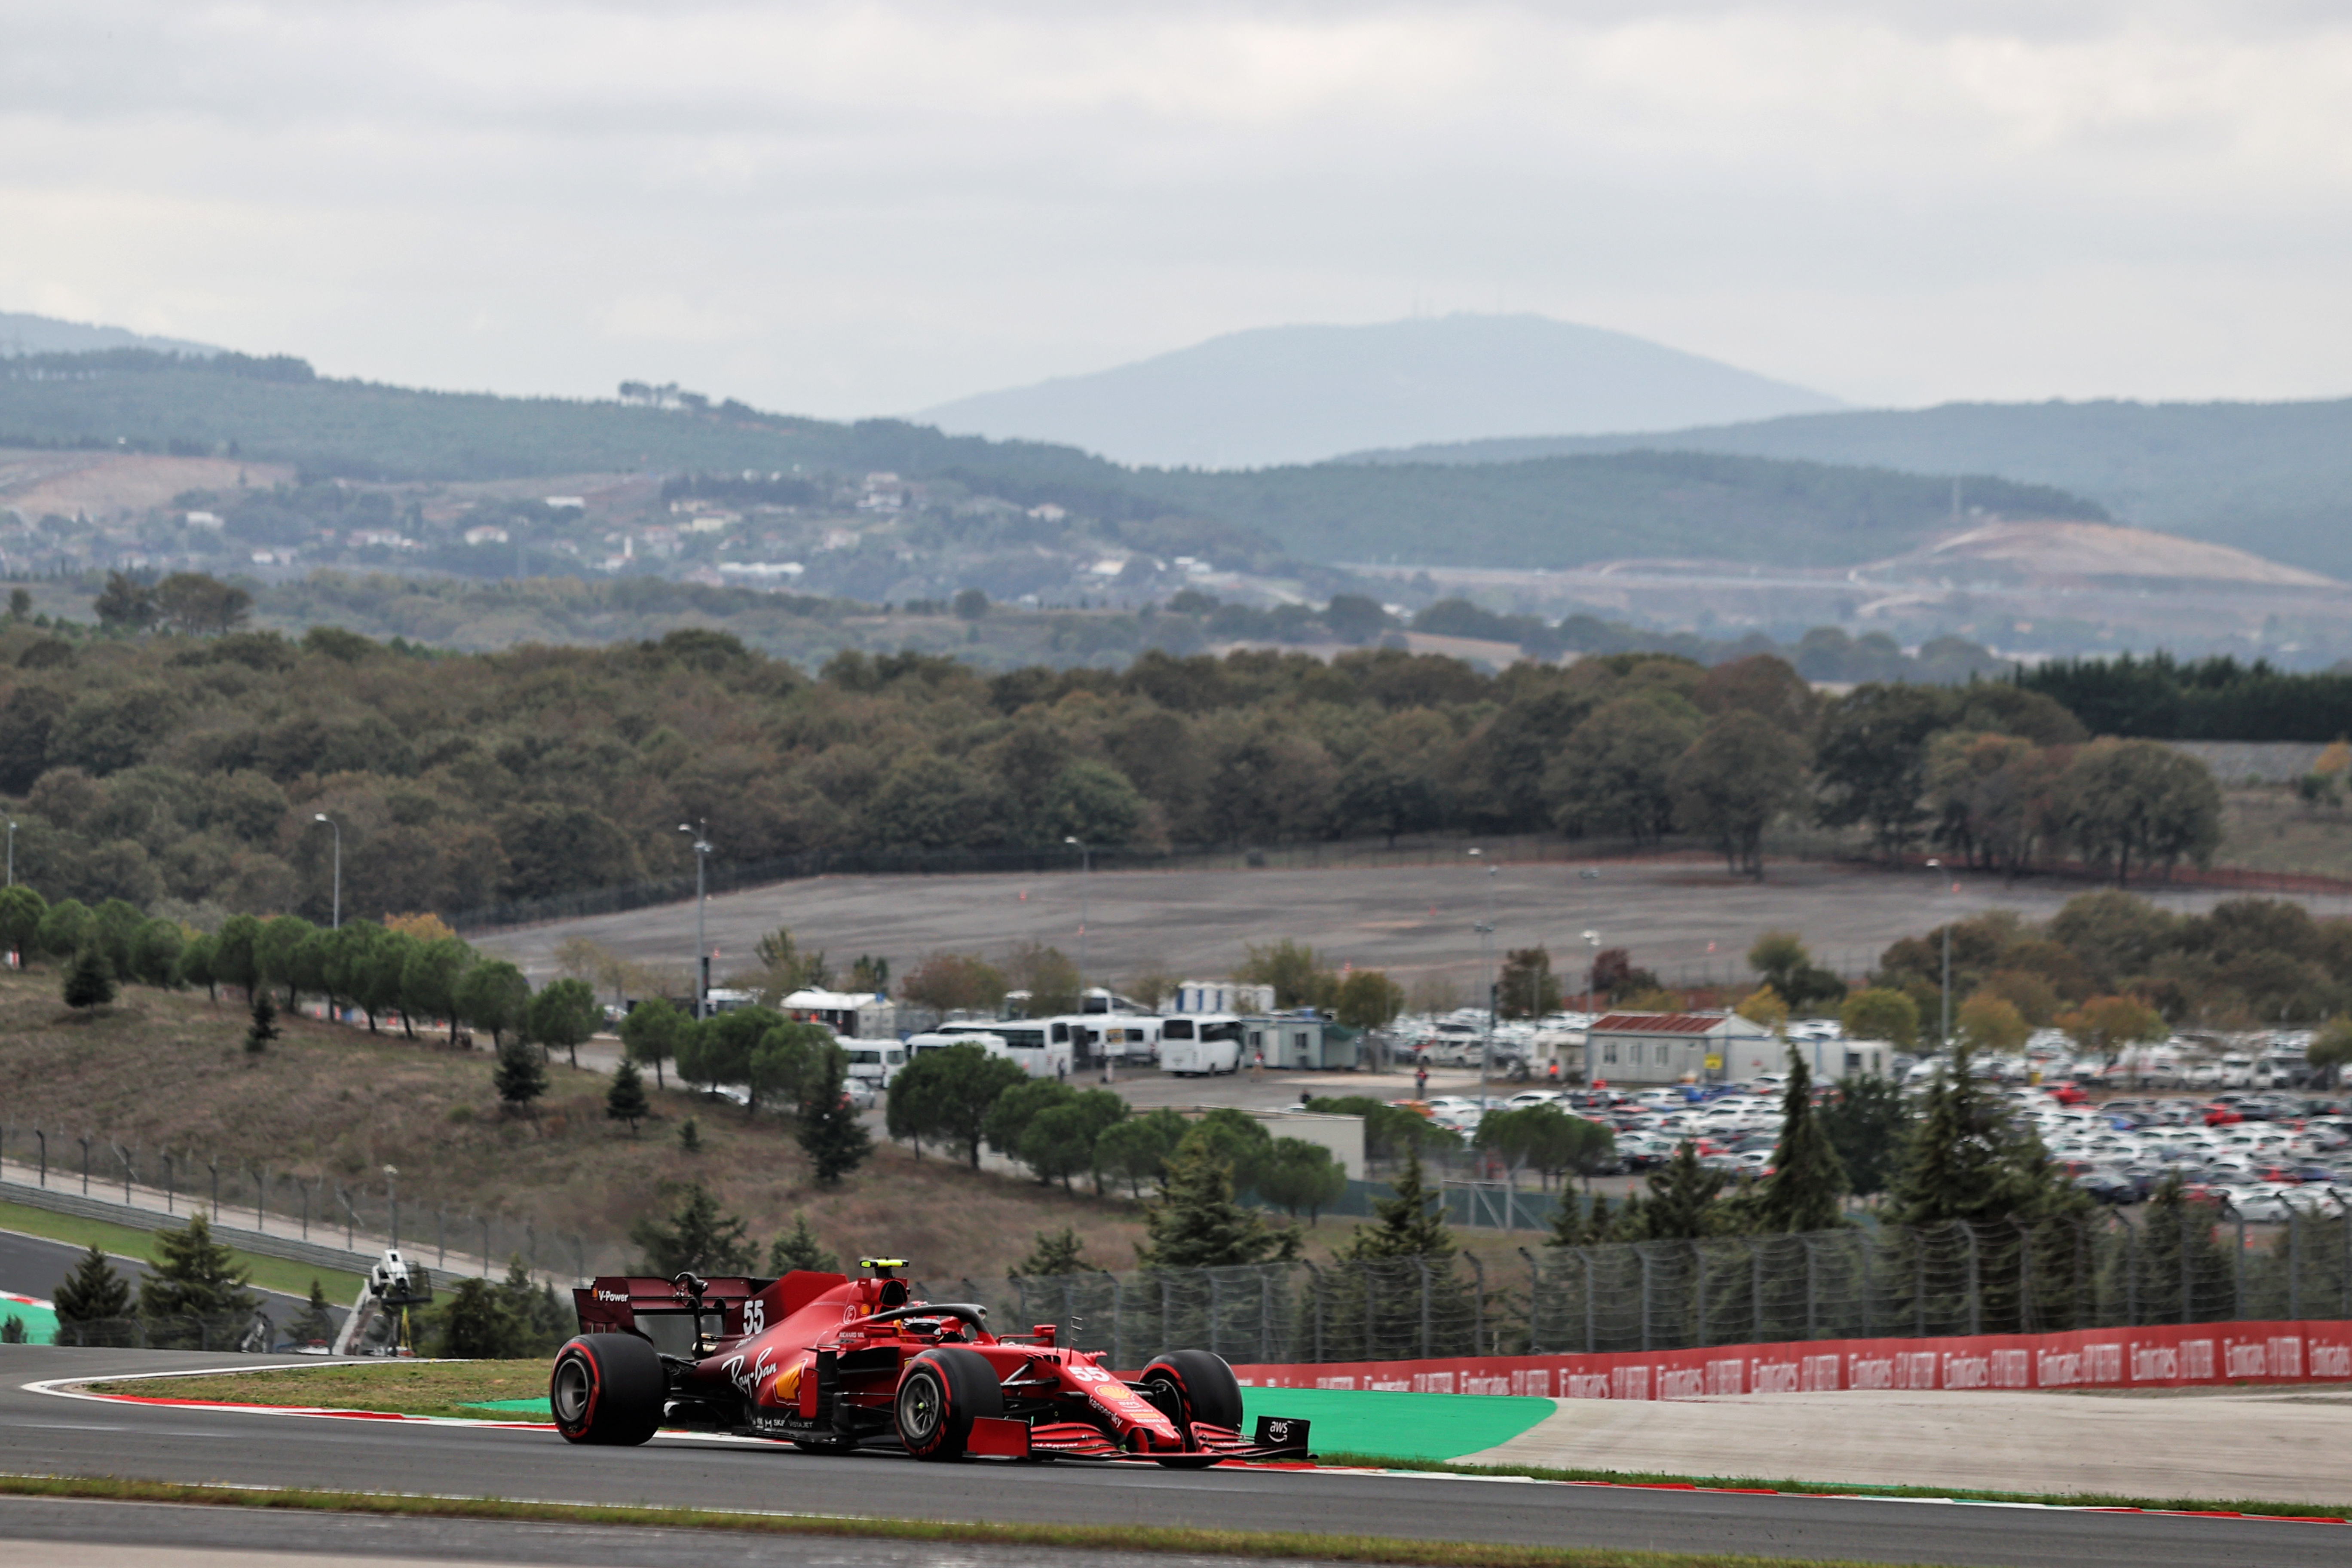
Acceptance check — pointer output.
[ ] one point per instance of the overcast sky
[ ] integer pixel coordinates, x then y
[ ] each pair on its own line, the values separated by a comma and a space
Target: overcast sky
867, 208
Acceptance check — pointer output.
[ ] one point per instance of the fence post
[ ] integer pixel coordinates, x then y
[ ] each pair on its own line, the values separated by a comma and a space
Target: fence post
44, 1140
1756, 1288
261, 1196
1812, 1291
1591, 1324
2024, 1275
1534, 1303
486, 1246
2293, 1264
1863, 1242
2131, 1276
1216, 1308
1976, 1291
1919, 1283
1478, 1321
1117, 1322
1166, 1305
1698, 1283
2188, 1274
1422, 1264
85, 1144
167, 1186
1641, 1251
2238, 1276
441, 1240
214, 1169
1266, 1313
1371, 1329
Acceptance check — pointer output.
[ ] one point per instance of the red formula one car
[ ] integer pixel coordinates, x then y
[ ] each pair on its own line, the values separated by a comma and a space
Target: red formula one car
832, 1363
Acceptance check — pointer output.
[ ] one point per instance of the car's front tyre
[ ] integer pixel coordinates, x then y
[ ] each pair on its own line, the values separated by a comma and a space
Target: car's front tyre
607, 1390
940, 1397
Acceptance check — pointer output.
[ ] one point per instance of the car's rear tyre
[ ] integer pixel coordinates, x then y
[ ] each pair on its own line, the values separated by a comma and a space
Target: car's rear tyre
607, 1389
940, 1397
1189, 1387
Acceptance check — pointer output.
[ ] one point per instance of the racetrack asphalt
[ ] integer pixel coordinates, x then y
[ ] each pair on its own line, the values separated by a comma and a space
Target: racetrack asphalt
36, 1266
46, 1434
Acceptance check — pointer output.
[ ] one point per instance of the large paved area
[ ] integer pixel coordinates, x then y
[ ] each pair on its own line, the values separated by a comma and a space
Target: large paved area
1683, 918
44, 1434
2278, 1448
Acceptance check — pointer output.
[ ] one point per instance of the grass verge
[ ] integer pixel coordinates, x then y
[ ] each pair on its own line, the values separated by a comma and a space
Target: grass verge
1103, 1538
448, 1388
268, 1273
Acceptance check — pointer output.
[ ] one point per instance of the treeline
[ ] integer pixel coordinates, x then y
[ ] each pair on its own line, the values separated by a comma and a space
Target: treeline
209, 775
2244, 963
2218, 698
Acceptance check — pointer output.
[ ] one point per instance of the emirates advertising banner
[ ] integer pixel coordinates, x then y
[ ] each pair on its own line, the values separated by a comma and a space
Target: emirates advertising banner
2178, 1356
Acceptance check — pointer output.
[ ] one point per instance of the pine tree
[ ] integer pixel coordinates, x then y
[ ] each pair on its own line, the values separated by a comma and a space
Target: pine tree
476, 1324
1197, 1224
265, 1022
12, 1332
195, 1277
93, 1292
1572, 1226
1056, 1253
1964, 1162
315, 1324
1807, 1178
832, 1134
1405, 1260
697, 1236
520, 1076
1409, 1225
690, 1137
625, 1101
799, 1248
1682, 1204
90, 982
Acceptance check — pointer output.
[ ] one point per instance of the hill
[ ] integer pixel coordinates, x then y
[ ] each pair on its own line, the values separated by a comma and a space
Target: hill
336, 1102
1005, 497
2271, 478
26, 335
1302, 393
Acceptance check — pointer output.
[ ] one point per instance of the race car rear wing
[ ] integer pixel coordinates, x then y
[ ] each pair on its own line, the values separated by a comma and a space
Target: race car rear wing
669, 1313
685, 1316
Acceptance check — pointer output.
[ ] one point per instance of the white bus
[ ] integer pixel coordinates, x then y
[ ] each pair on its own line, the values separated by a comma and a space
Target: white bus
1206, 1044
1031, 1042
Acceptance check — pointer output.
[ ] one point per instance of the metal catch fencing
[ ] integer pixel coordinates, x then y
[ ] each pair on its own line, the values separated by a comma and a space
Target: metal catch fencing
2174, 1264
311, 1206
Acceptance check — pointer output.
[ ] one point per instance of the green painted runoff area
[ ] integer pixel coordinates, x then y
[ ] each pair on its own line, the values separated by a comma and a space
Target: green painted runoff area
1346, 1421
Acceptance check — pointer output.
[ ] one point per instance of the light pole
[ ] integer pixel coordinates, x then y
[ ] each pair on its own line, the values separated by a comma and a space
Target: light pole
1937, 867
391, 1191
337, 829
1486, 929
701, 953
1591, 1001
1085, 884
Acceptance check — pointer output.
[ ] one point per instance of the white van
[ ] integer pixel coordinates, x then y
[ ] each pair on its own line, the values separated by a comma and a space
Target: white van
1029, 1042
1209, 1044
875, 1063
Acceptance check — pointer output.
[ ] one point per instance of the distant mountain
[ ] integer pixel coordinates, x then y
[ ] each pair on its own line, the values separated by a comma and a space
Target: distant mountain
2271, 478
24, 334
1299, 394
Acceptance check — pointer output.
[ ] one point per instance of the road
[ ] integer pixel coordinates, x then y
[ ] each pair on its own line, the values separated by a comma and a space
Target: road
33, 1265
1682, 916
43, 1432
